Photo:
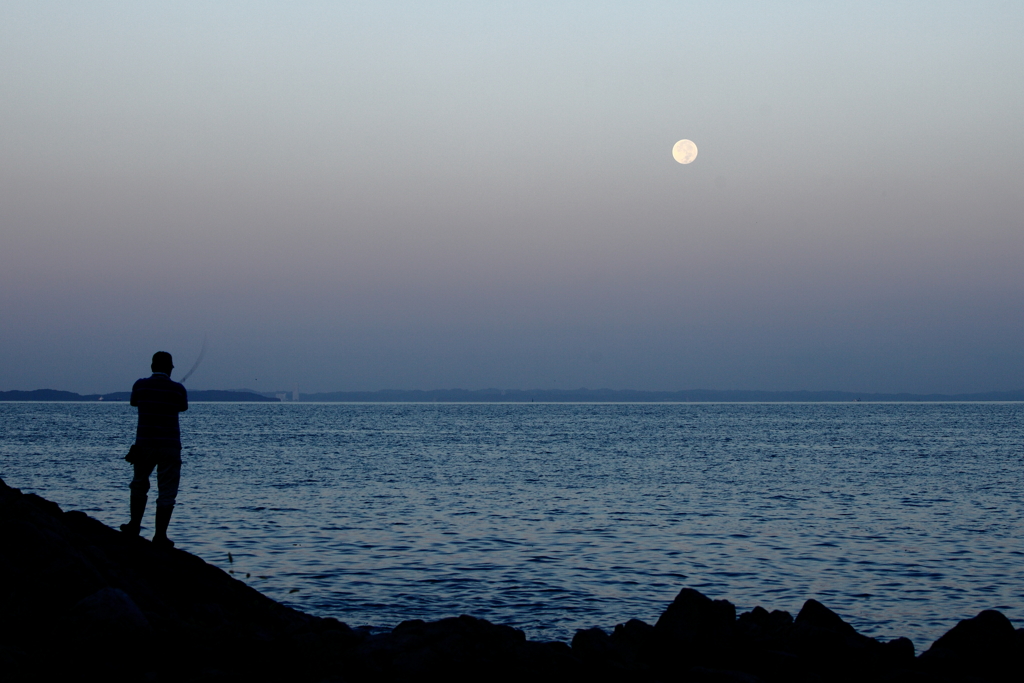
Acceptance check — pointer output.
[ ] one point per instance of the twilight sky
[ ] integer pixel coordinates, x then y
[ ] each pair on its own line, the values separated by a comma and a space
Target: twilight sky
359, 196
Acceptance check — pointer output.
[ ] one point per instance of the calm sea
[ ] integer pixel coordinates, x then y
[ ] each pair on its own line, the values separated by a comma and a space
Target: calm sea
904, 518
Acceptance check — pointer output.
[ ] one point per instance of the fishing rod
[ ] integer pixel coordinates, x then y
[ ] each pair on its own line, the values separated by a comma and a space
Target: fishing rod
202, 352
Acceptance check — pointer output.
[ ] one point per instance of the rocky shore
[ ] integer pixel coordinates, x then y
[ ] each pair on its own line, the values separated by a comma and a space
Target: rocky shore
80, 599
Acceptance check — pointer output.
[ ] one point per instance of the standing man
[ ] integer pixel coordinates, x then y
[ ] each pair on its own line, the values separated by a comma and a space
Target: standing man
157, 445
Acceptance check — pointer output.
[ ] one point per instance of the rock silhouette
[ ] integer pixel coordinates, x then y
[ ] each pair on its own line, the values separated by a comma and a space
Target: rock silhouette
79, 598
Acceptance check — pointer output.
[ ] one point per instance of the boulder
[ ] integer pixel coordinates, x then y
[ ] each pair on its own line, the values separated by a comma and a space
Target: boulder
693, 614
595, 647
759, 626
985, 646
460, 648
109, 613
823, 638
635, 642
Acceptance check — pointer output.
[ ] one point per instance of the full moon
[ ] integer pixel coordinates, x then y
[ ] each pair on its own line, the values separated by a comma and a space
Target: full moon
684, 151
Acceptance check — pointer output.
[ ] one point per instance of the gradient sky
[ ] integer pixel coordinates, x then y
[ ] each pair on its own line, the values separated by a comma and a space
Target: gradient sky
359, 196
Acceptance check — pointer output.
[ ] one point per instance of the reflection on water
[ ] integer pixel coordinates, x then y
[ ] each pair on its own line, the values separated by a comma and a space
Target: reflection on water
902, 517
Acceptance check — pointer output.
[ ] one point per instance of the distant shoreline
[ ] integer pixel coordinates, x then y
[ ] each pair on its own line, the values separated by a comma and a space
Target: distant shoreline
539, 396
53, 395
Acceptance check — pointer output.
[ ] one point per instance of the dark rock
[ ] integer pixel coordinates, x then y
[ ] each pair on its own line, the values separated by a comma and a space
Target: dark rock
772, 664
43, 505
634, 633
818, 617
898, 652
108, 613
779, 621
594, 646
987, 635
692, 613
702, 674
758, 616
907, 676
695, 630
13, 658
625, 654
818, 639
114, 602
693, 617
821, 635
985, 646
764, 627
635, 643
462, 648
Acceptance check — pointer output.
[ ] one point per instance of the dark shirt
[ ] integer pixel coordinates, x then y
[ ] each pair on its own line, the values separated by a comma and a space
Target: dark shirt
159, 401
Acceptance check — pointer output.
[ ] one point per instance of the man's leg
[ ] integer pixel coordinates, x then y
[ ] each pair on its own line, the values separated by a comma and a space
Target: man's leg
168, 475
137, 504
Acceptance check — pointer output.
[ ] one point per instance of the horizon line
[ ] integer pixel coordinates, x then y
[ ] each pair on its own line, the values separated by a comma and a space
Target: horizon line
579, 395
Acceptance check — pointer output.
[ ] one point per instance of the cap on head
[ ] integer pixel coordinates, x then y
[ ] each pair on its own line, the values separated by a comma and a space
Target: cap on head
162, 362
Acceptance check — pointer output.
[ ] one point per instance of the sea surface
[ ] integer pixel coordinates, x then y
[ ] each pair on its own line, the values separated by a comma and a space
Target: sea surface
903, 518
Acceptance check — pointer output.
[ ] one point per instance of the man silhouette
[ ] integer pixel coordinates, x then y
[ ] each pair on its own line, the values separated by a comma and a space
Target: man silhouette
157, 445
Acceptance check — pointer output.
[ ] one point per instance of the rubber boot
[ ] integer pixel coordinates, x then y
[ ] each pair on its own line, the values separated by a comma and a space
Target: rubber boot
163, 518
137, 506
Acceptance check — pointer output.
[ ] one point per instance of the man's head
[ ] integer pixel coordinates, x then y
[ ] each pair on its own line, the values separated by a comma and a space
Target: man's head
162, 362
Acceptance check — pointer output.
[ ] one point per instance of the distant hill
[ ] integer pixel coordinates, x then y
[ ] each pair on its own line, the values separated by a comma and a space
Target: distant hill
630, 396
193, 396
223, 395
40, 395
